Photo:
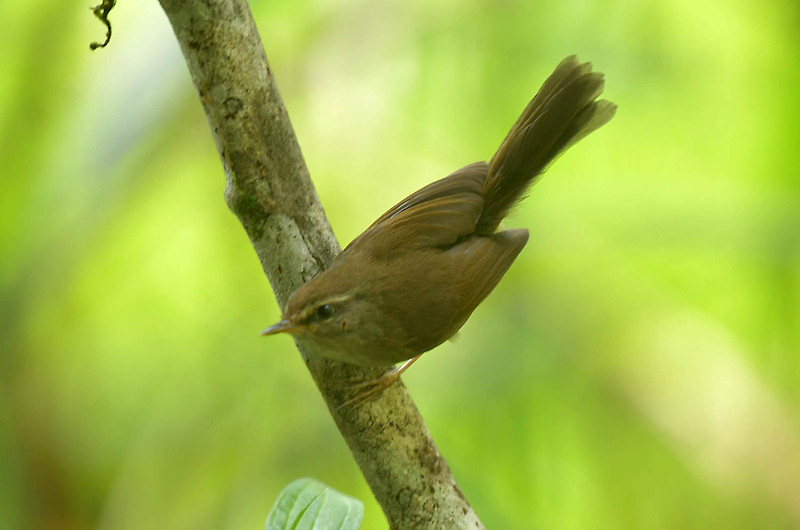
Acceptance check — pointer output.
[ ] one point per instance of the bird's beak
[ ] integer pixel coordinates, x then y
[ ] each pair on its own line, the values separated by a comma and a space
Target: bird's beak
284, 326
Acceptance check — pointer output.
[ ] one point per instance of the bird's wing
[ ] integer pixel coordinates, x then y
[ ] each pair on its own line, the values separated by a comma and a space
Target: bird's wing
434, 217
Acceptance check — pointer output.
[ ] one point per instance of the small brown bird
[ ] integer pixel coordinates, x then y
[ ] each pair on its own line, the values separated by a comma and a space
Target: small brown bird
411, 280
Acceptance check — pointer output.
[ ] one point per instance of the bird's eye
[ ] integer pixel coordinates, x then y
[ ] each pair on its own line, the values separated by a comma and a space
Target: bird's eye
325, 311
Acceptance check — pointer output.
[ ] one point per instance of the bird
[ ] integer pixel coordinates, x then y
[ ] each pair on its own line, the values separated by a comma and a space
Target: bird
411, 280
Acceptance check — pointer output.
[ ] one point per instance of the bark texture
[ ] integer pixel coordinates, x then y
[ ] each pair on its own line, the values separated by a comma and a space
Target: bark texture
268, 187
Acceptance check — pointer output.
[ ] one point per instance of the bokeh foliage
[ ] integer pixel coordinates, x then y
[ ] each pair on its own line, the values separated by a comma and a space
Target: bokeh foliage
637, 368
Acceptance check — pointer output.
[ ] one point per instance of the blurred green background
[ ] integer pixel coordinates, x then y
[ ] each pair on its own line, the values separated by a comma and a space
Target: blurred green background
637, 368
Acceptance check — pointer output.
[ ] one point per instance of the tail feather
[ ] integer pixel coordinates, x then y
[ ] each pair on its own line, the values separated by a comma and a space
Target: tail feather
559, 115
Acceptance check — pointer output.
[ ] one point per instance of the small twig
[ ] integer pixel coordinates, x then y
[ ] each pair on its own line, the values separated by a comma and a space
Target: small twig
101, 11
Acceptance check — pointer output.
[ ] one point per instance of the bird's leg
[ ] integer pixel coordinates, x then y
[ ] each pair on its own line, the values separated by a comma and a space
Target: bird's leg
373, 387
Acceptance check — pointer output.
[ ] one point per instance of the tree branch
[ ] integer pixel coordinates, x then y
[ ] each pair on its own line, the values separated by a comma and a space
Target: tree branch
269, 189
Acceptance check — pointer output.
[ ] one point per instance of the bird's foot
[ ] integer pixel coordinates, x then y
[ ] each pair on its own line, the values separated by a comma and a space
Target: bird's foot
374, 387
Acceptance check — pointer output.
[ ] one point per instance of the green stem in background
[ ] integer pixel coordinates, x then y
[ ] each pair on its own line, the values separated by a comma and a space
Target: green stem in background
101, 11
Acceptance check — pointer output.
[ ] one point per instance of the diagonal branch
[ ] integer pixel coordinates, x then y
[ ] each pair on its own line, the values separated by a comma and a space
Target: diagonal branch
269, 189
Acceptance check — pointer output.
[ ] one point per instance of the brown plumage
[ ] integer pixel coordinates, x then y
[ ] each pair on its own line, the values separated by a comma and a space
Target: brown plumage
412, 279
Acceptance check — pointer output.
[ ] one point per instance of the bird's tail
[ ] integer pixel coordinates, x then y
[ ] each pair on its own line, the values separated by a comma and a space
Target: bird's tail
563, 111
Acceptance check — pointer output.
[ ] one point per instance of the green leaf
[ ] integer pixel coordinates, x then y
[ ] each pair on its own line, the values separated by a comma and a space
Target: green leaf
307, 504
